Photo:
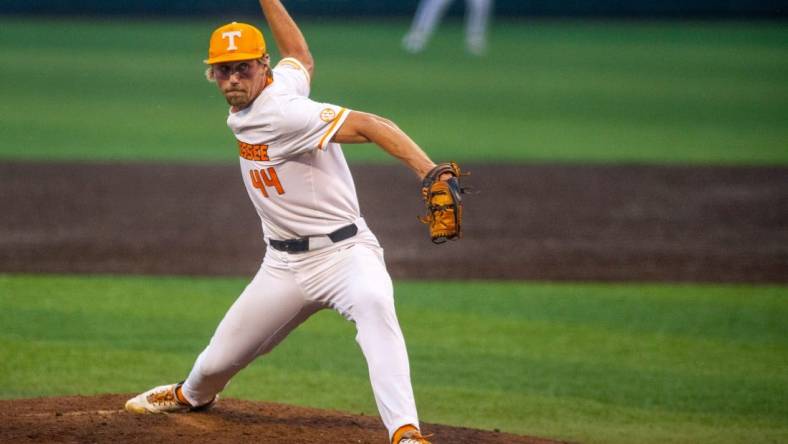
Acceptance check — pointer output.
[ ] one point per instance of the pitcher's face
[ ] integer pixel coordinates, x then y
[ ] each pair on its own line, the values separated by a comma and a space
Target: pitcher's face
240, 82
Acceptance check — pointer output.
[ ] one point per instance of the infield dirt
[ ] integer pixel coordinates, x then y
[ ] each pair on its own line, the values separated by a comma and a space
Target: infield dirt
545, 222
539, 222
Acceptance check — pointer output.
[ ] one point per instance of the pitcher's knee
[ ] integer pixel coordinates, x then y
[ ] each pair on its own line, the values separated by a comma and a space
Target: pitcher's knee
375, 303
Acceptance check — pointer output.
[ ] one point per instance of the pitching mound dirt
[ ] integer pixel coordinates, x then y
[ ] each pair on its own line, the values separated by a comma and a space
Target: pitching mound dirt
101, 419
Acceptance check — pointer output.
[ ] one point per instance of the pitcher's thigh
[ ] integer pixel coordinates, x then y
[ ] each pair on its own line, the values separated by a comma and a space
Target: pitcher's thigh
366, 289
269, 308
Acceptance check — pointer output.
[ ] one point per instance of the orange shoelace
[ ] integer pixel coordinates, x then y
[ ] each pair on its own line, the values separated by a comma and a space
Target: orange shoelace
162, 397
417, 436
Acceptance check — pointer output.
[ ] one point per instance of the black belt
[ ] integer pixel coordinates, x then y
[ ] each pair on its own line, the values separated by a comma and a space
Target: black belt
302, 244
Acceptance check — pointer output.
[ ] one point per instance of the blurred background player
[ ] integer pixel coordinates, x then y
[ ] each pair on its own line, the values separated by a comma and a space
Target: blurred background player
429, 14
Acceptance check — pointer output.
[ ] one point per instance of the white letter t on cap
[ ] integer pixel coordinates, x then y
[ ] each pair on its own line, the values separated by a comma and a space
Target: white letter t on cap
231, 35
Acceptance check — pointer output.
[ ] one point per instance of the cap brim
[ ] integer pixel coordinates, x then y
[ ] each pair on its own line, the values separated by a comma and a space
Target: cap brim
234, 57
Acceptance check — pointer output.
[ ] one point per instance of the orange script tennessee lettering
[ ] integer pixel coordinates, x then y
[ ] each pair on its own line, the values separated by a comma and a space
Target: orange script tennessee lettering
253, 152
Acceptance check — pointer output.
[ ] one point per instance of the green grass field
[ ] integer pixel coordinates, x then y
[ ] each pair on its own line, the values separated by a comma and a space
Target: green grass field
591, 363
661, 92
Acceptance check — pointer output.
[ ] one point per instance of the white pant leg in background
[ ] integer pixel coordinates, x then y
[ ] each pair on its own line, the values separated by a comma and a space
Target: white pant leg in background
428, 15
270, 307
355, 283
477, 20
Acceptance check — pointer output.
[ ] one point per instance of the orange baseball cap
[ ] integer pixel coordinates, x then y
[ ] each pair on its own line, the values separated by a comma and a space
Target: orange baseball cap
234, 42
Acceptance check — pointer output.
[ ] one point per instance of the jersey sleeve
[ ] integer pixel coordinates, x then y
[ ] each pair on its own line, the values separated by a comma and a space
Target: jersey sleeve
306, 125
294, 77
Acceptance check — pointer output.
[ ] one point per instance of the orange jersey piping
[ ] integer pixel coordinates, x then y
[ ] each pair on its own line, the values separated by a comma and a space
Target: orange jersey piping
333, 128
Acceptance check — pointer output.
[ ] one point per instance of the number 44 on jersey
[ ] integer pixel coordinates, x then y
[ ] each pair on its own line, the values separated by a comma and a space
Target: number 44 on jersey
266, 178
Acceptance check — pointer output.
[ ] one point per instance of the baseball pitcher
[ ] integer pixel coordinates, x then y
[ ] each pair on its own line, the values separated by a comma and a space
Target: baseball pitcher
320, 252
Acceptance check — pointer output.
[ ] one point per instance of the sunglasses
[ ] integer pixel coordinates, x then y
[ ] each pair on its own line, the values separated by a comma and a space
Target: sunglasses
243, 69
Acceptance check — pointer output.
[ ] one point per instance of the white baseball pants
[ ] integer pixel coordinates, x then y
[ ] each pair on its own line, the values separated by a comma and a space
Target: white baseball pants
349, 277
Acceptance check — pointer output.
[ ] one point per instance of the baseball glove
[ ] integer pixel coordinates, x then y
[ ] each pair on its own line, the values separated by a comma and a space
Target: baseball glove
443, 201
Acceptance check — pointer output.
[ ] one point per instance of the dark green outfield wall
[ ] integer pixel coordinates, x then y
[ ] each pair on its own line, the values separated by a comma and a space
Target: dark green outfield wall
644, 8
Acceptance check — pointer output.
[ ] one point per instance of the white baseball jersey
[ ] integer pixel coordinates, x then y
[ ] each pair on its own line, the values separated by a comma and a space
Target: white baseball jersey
298, 180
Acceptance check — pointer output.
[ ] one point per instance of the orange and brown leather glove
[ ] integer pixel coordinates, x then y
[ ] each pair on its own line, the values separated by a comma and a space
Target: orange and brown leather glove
444, 202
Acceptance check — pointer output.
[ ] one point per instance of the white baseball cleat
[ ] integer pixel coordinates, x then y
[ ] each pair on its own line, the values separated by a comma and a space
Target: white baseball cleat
476, 46
162, 399
420, 440
414, 42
